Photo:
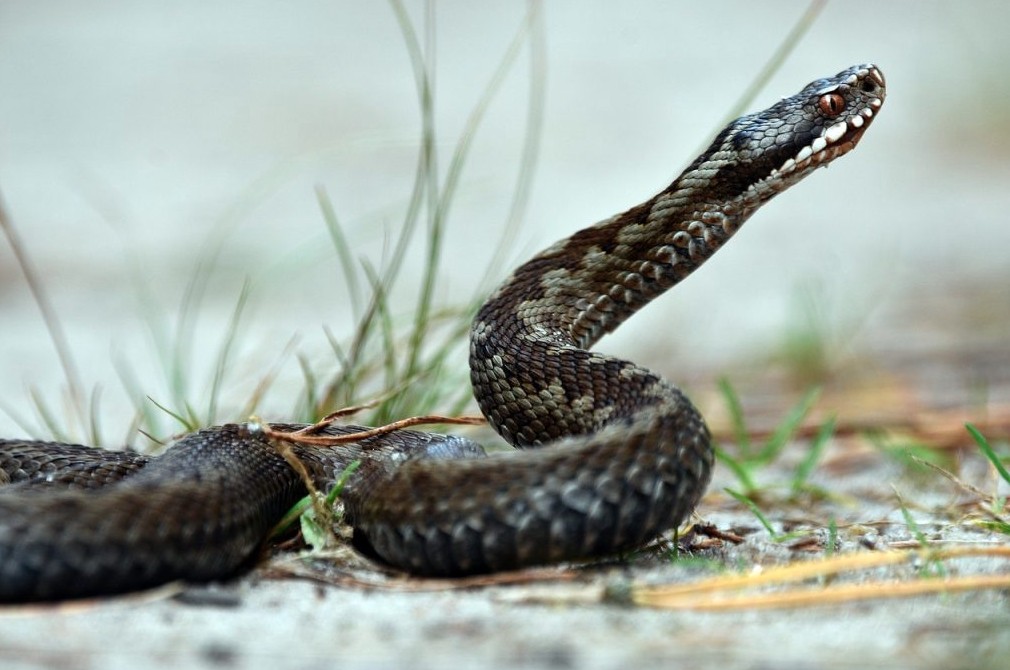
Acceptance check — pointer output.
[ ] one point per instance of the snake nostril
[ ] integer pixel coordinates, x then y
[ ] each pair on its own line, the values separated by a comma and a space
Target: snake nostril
869, 86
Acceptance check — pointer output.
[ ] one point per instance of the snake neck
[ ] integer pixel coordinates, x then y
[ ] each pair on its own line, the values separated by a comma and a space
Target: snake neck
586, 285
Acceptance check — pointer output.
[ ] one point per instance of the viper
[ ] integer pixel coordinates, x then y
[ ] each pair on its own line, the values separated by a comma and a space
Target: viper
609, 454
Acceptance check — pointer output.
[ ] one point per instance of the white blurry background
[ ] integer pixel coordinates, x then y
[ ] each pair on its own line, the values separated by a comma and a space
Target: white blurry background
134, 135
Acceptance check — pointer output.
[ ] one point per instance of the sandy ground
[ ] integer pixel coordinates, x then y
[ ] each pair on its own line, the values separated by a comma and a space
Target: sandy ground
347, 614
133, 136
294, 625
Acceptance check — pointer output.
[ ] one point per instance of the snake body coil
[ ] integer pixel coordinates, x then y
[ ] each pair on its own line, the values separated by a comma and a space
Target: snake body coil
621, 454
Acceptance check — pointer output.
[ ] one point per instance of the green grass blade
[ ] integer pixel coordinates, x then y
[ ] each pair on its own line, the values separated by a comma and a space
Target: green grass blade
342, 479
989, 452
308, 396
147, 416
345, 259
95, 418
185, 422
831, 547
932, 567
813, 456
755, 510
778, 57
289, 518
423, 64
317, 520
740, 470
736, 418
535, 110
20, 421
224, 354
47, 416
788, 426
49, 317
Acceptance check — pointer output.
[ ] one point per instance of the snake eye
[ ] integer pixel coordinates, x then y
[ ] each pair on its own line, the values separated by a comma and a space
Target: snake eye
831, 104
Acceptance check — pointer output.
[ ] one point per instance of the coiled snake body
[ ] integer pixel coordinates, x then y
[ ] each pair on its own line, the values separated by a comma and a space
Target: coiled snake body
622, 455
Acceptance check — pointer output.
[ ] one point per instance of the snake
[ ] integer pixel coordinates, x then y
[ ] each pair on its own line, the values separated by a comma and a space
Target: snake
608, 454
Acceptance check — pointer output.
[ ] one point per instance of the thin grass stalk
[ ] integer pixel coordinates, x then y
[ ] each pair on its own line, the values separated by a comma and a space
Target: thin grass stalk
224, 354
342, 247
531, 147
392, 265
787, 427
439, 209
52, 322
423, 61
775, 61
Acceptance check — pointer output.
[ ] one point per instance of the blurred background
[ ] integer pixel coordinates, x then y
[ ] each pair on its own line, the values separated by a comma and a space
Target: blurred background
138, 139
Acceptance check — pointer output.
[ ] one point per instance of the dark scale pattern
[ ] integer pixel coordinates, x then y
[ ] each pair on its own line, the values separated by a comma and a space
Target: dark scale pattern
612, 454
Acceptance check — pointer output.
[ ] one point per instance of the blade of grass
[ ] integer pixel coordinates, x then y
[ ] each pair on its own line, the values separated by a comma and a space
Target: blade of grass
182, 419
813, 456
988, 451
342, 247
740, 469
931, 567
19, 420
755, 510
52, 322
787, 427
46, 415
531, 148
422, 61
94, 424
224, 354
444, 196
736, 417
778, 57
267, 380
148, 418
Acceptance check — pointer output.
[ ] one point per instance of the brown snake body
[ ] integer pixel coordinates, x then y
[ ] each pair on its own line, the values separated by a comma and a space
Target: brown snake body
622, 455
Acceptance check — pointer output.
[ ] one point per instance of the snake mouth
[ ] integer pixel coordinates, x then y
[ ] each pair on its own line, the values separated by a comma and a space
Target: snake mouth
836, 140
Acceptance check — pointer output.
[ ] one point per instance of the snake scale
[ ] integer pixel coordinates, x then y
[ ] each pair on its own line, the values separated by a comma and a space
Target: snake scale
621, 454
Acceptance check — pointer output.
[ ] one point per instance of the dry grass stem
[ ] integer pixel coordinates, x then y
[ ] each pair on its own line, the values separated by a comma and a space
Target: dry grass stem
307, 436
721, 593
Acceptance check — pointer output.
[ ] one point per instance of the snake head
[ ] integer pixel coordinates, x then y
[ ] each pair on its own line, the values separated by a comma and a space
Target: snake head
761, 154
832, 115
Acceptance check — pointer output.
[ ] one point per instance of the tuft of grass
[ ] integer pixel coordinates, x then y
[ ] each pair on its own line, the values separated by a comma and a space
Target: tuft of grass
750, 458
411, 371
